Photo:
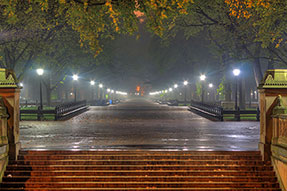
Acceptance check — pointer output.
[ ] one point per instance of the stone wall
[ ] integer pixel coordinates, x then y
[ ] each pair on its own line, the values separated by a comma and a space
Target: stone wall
279, 148
4, 147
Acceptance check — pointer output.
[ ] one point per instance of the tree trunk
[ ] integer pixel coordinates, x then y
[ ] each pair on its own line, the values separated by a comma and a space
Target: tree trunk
48, 96
257, 65
228, 92
271, 64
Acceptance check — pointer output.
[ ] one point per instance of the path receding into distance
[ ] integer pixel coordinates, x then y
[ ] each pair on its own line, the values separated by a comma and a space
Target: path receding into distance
139, 124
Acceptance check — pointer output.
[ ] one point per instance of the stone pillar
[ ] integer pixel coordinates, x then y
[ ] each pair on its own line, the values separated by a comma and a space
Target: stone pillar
10, 92
3, 138
273, 85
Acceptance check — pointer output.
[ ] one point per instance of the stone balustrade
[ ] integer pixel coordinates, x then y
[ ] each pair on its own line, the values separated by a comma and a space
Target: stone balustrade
3, 138
279, 142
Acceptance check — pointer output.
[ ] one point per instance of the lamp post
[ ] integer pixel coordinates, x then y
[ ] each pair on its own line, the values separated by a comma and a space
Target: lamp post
212, 94
40, 72
236, 73
185, 89
92, 82
175, 86
75, 78
101, 92
202, 78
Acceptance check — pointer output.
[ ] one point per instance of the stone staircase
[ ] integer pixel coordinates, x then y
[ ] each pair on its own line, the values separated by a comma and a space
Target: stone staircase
138, 170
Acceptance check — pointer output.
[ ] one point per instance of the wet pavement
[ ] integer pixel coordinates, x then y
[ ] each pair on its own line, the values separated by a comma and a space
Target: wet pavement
140, 124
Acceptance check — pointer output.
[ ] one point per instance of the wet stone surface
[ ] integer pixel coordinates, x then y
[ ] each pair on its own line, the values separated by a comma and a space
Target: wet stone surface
139, 124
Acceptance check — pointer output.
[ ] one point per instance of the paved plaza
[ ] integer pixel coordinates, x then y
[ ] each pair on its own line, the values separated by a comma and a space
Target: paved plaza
139, 124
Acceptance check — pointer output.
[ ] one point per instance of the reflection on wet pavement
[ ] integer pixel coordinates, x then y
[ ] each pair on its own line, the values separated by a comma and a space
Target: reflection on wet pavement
140, 124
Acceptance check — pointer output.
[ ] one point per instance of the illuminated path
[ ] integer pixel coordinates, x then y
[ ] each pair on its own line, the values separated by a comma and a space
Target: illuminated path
140, 124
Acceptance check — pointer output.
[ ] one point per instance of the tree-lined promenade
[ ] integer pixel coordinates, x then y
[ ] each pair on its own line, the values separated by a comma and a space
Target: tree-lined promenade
77, 36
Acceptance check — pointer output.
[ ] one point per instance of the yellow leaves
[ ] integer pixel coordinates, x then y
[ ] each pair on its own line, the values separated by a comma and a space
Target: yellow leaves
62, 1
113, 15
244, 8
279, 43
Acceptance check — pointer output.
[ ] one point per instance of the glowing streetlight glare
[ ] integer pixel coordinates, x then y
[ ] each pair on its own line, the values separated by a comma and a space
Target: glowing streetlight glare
40, 71
236, 72
165, 91
101, 85
202, 77
210, 85
175, 86
185, 82
75, 77
92, 82
108, 90
21, 84
170, 89
112, 91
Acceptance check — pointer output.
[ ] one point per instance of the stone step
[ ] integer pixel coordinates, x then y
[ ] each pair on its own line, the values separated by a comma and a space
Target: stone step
139, 153
140, 185
140, 167
140, 173
138, 170
138, 162
140, 179
135, 157
137, 189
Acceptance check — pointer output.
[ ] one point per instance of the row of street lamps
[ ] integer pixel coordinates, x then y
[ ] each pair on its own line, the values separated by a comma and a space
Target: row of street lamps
75, 77
236, 72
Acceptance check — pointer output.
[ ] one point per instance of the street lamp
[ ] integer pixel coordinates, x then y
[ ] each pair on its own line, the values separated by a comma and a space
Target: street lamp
170, 89
175, 86
185, 89
40, 72
101, 91
236, 73
92, 82
75, 78
202, 78
212, 92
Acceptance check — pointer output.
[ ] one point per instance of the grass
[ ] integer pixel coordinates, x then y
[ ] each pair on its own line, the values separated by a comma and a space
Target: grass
35, 108
33, 117
243, 117
184, 104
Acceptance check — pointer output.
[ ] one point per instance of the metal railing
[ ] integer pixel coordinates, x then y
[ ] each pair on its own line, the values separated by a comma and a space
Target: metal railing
218, 112
62, 111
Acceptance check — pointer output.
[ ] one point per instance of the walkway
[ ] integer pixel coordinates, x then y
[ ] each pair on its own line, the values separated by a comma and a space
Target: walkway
140, 124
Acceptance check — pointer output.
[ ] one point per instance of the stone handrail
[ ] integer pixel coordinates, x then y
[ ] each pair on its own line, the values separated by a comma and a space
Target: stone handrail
3, 138
279, 142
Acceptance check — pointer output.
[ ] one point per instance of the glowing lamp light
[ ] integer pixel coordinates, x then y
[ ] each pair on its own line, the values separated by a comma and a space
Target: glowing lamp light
175, 86
108, 90
170, 89
202, 77
21, 84
210, 85
75, 77
92, 82
40, 71
101, 85
112, 91
236, 72
185, 82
